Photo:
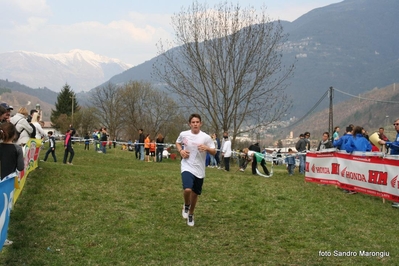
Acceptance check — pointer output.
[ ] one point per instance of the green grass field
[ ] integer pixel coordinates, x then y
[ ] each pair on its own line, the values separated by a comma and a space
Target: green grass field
111, 209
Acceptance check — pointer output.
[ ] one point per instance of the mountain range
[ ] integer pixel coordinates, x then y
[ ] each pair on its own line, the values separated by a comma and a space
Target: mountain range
352, 46
81, 69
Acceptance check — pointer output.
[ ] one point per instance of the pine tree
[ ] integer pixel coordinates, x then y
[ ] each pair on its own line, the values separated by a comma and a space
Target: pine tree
66, 105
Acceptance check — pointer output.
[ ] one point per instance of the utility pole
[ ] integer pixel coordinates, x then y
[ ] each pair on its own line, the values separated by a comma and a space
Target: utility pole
330, 117
72, 107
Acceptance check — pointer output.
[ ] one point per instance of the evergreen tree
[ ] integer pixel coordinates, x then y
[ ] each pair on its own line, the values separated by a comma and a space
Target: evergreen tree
66, 105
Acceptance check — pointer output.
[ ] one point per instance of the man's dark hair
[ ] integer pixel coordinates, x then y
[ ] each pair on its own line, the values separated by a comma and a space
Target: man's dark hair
50, 132
328, 134
349, 129
194, 115
33, 111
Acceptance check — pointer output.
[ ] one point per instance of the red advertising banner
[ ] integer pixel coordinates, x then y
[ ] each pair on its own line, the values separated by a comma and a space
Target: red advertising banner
372, 173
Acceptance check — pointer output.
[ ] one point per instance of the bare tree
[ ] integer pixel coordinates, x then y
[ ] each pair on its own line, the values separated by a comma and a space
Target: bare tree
227, 66
86, 120
107, 101
144, 107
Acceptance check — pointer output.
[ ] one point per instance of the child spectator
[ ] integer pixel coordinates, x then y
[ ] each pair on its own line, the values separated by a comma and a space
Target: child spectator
290, 162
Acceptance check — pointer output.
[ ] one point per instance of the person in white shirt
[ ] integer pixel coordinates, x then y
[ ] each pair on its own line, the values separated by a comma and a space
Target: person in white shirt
226, 151
193, 145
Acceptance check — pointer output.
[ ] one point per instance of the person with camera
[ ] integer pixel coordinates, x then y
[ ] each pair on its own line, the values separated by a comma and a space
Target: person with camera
24, 129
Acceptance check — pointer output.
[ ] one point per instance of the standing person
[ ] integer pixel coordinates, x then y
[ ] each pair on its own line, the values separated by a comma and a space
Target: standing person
95, 139
141, 143
51, 148
301, 148
39, 130
68, 147
196, 145
394, 149
104, 139
255, 148
335, 133
160, 142
11, 156
221, 166
226, 152
290, 162
147, 147
217, 155
325, 142
357, 142
340, 142
87, 141
153, 148
114, 142
137, 148
24, 129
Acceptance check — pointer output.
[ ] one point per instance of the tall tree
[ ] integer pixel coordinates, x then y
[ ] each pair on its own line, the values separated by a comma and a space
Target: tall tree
227, 66
107, 101
67, 105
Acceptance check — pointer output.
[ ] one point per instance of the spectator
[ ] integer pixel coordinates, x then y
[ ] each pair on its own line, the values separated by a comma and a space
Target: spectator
301, 148
3, 114
226, 152
357, 142
290, 162
160, 147
68, 147
340, 142
325, 143
217, 155
153, 147
394, 149
335, 133
104, 139
137, 148
87, 141
141, 143
7, 117
147, 147
11, 156
39, 130
24, 129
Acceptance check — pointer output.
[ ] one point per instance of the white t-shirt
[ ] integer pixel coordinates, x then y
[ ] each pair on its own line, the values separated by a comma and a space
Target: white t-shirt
195, 163
227, 148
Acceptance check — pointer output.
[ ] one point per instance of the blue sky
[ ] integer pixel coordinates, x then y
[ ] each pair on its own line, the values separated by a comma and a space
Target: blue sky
124, 29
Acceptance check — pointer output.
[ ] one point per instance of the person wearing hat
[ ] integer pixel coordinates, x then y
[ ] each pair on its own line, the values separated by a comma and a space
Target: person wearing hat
8, 113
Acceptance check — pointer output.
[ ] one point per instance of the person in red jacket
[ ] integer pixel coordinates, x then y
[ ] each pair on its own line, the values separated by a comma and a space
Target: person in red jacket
68, 147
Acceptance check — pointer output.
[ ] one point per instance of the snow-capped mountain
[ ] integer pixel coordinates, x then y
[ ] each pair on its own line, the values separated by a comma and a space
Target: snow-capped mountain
81, 69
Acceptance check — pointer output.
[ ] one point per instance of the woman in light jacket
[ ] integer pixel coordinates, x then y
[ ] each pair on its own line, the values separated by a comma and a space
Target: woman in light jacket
22, 126
39, 130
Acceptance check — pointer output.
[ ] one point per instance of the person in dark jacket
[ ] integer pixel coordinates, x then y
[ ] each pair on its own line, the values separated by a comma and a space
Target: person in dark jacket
325, 143
254, 147
51, 148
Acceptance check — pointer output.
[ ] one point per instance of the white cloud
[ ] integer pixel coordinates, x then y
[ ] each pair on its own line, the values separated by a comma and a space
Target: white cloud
36, 7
